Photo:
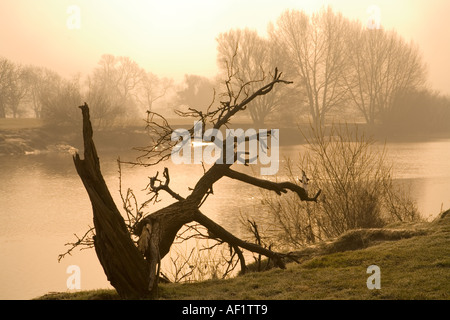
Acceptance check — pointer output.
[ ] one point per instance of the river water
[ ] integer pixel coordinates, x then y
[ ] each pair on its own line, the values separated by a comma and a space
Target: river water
43, 204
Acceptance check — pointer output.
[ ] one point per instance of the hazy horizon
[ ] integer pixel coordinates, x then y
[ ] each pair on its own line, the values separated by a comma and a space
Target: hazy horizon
174, 38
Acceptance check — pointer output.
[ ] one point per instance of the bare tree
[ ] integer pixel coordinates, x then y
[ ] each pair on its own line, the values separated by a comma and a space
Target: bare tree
315, 48
18, 88
151, 89
23, 84
381, 66
105, 107
248, 56
133, 270
129, 76
119, 78
405, 72
43, 84
57, 107
6, 71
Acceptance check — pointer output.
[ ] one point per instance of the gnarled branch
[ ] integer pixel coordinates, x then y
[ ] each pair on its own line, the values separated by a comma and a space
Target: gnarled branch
278, 187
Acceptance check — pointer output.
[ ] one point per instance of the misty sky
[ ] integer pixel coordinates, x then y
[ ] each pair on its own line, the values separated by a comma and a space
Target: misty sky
176, 37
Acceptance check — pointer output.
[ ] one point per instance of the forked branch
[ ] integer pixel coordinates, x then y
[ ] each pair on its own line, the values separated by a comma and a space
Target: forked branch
156, 185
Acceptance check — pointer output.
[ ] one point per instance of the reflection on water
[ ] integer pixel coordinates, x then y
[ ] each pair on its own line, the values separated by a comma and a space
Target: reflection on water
43, 203
425, 168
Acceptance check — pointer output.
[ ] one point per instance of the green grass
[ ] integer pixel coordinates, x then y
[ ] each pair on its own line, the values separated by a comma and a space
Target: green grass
413, 268
99, 294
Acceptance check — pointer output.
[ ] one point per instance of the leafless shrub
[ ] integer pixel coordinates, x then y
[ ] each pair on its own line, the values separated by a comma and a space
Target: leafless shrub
358, 190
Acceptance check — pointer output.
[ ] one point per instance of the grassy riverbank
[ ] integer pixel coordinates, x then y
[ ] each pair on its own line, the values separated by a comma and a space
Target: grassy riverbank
416, 267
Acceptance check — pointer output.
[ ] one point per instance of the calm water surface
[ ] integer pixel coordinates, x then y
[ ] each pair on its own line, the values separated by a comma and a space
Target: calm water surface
43, 204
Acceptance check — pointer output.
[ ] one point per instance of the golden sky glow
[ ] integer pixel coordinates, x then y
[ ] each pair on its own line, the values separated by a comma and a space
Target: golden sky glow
176, 37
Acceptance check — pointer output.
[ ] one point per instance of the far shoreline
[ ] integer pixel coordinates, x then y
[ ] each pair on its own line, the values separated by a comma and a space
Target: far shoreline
29, 135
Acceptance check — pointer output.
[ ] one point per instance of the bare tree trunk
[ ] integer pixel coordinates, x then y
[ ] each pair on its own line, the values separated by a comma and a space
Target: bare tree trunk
124, 266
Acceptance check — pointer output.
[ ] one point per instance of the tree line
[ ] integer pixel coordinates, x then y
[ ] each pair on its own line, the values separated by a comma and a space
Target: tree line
339, 68
117, 88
